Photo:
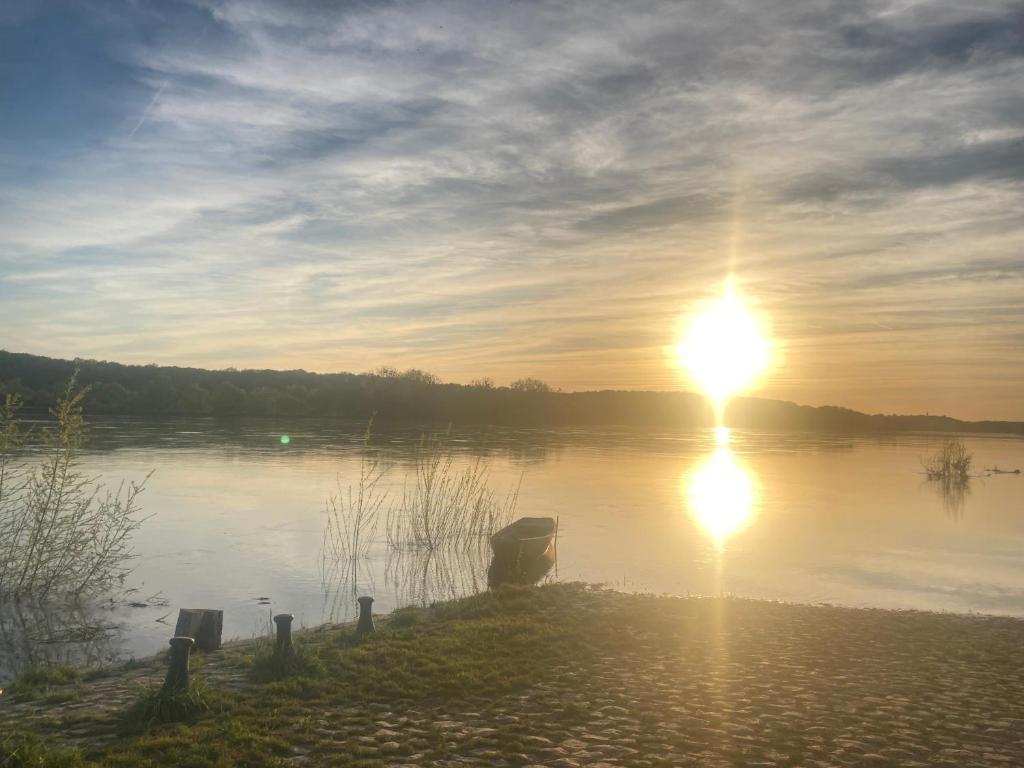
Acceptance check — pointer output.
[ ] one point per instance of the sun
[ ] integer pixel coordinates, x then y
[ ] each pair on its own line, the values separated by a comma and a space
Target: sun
724, 348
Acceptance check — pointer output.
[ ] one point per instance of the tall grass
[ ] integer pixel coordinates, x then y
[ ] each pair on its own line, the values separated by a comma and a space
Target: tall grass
353, 513
444, 505
436, 535
61, 532
422, 577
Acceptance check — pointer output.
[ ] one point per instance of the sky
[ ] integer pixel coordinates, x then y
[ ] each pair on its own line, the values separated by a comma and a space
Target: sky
509, 189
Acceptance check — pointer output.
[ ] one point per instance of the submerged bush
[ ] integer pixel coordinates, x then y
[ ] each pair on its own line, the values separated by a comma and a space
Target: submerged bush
60, 531
952, 462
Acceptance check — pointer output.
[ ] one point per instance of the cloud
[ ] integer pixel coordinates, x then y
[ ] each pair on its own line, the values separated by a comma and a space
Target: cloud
522, 189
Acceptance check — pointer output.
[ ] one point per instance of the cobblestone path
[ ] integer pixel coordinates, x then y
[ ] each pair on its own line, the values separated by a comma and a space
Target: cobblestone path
692, 683
736, 683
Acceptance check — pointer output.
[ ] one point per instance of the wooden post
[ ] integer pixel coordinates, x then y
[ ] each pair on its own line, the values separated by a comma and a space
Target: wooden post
201, 624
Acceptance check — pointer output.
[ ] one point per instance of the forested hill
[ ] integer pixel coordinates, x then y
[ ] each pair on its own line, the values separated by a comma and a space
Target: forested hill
413, 395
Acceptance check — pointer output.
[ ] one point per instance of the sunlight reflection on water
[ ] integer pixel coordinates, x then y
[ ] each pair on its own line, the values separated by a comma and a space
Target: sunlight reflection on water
721, 495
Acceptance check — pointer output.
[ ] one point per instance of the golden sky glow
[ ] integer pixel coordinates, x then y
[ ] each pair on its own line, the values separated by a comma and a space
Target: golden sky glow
511, 190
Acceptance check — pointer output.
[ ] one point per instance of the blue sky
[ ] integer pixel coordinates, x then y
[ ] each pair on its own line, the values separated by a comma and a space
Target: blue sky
511, 189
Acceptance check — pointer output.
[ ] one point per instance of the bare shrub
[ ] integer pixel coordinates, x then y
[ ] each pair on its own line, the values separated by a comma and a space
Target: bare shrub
61, 532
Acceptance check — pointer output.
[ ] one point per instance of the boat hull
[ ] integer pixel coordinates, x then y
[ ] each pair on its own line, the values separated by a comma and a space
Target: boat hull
524, 551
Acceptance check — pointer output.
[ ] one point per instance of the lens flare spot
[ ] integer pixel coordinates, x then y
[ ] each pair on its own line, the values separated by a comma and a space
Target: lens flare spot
285, 439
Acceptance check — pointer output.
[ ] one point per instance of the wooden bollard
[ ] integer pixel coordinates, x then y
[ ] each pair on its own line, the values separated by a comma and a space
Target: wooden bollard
283, 646
201, 624
177, 680
365, 626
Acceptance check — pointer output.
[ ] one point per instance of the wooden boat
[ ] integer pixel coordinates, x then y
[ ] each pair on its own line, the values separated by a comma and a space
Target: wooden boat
523, 551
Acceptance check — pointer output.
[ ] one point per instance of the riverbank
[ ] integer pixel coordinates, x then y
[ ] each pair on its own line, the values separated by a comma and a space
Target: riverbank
563, 675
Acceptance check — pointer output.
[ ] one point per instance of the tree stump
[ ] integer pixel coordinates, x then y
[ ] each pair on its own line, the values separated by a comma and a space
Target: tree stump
201, 624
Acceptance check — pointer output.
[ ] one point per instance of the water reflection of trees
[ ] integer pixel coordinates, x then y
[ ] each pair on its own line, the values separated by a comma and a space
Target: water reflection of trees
342, 582
949, 471
954, 492
74, 633
424, 577
411, 577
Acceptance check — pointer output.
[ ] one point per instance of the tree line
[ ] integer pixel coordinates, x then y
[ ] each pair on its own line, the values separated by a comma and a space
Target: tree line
414, 396
386, 394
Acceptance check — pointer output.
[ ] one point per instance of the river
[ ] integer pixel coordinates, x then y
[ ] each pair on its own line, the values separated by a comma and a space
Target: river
237, 514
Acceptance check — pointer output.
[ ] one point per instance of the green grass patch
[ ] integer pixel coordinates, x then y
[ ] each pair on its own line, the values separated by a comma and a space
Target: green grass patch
28, 750
266, 663
36, 681
156, 707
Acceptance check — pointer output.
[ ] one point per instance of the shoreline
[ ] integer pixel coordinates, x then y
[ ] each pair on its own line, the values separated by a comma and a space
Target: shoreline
242, 643
690, 680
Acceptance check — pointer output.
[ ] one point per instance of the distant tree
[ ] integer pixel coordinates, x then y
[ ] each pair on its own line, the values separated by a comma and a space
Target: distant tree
483, 383
324, 401
386, 372
15, 387
228, 400
262, 401
109, 397
194, 399
292, 402
416, 376
159, 396
529, 385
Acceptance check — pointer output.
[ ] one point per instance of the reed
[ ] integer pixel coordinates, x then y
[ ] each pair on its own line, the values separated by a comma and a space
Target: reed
445, 506
436, 536
423, 577
352, 513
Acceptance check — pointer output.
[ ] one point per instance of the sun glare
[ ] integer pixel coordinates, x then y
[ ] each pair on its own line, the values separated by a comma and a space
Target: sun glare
721, 496
724, 348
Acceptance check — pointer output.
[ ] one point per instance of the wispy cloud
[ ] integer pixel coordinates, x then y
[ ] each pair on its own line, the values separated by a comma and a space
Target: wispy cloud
525, 189
146, 111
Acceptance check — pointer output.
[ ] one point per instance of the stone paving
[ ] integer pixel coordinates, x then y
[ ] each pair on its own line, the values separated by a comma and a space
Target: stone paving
86, 713
712, 683
742, 684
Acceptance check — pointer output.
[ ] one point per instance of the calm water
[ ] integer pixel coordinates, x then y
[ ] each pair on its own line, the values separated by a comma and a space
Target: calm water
238, 516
